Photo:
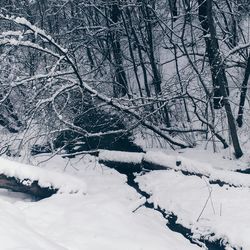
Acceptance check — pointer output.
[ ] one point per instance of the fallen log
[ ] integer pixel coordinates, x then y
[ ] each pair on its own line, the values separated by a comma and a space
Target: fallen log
129, 163
38, 182
123, 162
26, 186
146, 165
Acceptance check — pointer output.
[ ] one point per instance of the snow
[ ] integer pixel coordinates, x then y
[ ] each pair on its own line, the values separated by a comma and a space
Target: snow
101, 219
195, 167
12, 197
205, 169
111, 214
225, 214
15, 233
46, 178
120, 156
37, 31
101, 222
160, 158
15, 42
237, 48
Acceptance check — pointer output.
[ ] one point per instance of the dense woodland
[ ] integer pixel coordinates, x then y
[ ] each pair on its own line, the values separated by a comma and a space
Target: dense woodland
80, 75
132, 119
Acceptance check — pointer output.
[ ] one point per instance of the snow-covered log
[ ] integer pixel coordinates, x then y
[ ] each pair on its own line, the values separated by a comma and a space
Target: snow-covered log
26, 186
36, 181
124, 162
158, 161
127, 162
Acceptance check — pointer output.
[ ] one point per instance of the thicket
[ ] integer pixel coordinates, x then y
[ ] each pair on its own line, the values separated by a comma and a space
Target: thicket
79, 71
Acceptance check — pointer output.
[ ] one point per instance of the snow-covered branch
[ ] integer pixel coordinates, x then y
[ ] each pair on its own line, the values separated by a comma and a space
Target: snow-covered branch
64, 53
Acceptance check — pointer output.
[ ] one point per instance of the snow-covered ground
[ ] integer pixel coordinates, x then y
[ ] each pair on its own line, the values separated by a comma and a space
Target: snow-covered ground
103, 218
109, 214
211, 211
208, 210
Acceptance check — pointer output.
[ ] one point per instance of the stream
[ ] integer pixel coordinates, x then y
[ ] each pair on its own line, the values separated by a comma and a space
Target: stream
171, 220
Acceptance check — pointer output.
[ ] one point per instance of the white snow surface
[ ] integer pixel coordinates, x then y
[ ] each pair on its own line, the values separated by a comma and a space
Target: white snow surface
120, 156
105, 218
204, 208
46, 178
192, 166
110, 215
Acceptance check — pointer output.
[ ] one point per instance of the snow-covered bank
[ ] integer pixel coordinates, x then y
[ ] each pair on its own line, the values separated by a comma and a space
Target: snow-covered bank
188, 188
27, 174
111, 214
16, 233
101, 219
210, 211
191, 166
151, 160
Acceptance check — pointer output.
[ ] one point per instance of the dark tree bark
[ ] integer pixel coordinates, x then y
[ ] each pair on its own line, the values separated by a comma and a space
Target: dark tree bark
121, 84
243, 94
233, 39
173, 8
140, 54
132, 55
219, 78
213, 52
8, 117
157, 81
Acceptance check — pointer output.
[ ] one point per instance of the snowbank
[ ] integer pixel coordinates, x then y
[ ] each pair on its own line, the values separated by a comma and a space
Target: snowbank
193, 167
46, 178
210, 211
15, 233
101, 219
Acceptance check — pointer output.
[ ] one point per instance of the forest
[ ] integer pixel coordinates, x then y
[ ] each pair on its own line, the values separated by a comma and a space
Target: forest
142, 106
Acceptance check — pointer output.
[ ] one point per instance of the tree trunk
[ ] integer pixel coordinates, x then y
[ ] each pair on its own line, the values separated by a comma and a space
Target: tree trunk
8, 116
243, 94
219, 78
157, 81
121, 84
212, 50
173, 8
